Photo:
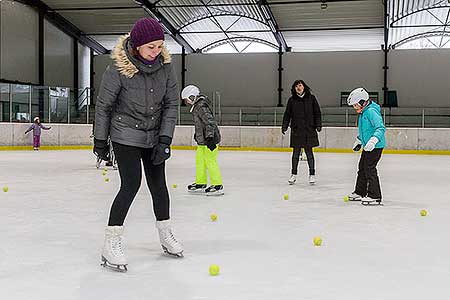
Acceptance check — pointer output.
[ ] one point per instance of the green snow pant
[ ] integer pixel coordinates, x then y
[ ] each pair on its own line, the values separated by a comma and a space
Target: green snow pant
207, 159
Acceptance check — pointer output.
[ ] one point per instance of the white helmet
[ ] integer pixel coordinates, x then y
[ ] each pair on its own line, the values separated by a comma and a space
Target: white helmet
357, 95
190, 90
35, 119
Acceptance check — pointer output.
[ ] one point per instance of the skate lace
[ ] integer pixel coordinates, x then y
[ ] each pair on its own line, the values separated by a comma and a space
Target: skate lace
116, 246
169, 238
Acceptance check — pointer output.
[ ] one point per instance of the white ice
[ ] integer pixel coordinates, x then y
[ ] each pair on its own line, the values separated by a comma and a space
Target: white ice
53, 216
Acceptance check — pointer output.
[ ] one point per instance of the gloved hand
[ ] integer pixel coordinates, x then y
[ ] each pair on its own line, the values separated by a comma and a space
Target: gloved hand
161, 151
319, 128
371, 144
357, 144
210, 144
101, 149
283, 131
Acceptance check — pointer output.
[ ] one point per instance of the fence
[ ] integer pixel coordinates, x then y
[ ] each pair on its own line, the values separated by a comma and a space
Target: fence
21, 103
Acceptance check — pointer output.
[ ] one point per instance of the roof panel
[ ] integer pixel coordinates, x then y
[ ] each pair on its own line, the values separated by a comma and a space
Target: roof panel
180, 13
347, 14
104, 21
203, 40
335, 40
65, 4
109, 41
411, 20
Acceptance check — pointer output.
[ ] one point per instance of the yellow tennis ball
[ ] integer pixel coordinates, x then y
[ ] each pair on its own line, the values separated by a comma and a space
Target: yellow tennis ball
317, 241
175, 185
106, 179
5, 189
104, 173
286, 196
105, 169
213, 217
423, 213
346, 198
214, 270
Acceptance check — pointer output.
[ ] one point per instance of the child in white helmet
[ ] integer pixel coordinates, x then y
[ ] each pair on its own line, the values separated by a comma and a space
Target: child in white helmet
207, 136
36, 127
371, 138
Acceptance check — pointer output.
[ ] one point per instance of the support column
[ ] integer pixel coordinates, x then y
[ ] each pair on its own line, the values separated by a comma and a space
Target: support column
183, 71
280, 77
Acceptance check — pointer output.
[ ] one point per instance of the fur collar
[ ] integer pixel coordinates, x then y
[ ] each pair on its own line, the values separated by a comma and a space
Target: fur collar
123, 63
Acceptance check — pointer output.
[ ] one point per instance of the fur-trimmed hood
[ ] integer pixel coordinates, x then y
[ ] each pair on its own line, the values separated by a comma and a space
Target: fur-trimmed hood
123, 62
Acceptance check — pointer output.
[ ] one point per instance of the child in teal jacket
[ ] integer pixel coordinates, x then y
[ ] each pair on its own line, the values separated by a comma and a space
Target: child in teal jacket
371, 131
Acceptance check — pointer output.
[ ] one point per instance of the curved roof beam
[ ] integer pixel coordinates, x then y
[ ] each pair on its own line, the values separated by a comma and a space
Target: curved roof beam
395, 20
233, 14
420, 36
238, 39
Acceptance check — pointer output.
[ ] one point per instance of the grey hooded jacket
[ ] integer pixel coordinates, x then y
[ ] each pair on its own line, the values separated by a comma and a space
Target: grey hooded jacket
136, 103
204, 122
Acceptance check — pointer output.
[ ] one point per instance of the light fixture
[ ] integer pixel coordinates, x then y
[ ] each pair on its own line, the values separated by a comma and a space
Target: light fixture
324, 4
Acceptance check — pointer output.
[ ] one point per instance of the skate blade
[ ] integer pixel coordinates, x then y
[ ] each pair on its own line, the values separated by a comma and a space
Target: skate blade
116, 268
372, 203
199, 192
174, 255
355, 199
215, 194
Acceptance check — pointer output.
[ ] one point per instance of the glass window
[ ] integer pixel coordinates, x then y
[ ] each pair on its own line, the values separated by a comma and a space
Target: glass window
59, 99
4, 102
39, 101
21, 103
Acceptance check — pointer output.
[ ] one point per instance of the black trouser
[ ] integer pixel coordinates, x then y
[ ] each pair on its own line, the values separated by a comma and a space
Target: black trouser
130, 170
367, 182
309, 156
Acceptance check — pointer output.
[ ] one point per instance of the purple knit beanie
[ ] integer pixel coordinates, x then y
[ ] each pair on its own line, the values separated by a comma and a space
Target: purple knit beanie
146, 30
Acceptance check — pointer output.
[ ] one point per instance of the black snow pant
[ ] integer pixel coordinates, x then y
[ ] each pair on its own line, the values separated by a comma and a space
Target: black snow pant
367, 182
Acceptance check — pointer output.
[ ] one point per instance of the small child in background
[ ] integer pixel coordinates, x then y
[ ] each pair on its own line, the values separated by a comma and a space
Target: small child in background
207, 136
36, 127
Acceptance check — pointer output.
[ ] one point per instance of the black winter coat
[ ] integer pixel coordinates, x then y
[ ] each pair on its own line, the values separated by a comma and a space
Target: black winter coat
304, 117
205, 124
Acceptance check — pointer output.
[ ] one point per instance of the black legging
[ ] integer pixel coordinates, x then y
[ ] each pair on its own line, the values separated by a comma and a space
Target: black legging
130, 170
309, 156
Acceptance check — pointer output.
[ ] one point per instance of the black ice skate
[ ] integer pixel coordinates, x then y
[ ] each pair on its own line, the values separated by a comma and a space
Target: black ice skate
354, 197
368, 201
196, 188
214, 190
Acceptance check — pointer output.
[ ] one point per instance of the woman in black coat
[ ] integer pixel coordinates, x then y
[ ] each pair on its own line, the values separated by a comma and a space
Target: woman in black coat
305, 119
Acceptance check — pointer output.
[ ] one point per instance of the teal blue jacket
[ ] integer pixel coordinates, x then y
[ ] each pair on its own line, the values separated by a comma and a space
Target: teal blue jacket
370, 123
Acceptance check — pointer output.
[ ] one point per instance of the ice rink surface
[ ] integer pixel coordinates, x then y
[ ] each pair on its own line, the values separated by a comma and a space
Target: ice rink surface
52, 227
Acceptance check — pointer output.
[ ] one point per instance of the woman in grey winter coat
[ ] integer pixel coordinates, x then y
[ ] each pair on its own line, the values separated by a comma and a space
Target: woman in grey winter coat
305, 119
137, 108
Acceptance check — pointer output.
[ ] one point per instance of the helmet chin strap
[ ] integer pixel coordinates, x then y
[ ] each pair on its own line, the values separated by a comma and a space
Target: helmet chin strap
360, 109
192, 102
